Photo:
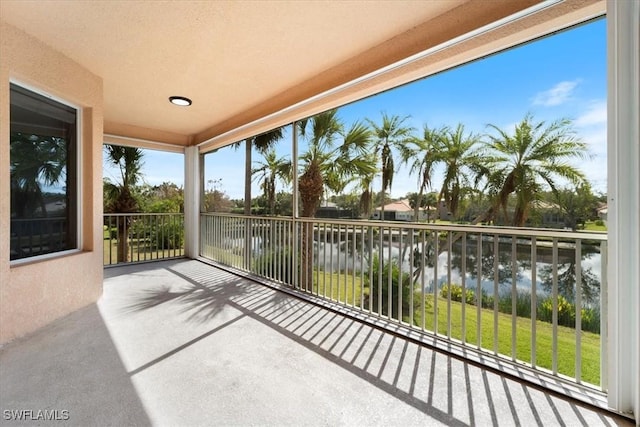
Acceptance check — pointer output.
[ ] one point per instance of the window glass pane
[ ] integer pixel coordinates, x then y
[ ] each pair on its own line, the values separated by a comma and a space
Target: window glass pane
43, 175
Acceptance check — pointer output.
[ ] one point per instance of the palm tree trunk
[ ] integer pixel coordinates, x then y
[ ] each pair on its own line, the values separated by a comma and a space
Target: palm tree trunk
123, 244
306, 256
310, 186
416, 213
272, 195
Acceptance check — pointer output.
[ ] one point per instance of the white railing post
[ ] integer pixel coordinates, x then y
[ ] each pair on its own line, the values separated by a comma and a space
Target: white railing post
191, 202
294, 201
623, 122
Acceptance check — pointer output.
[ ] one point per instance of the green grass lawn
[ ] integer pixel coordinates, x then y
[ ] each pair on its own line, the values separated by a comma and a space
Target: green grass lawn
224, 256
590, 346
141, 252
340, 287
592, 226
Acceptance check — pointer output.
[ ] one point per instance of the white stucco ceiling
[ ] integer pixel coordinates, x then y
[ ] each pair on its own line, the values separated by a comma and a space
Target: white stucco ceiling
237, 60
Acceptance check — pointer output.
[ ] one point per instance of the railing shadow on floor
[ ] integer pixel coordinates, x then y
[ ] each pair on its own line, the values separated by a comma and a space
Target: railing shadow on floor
443, 387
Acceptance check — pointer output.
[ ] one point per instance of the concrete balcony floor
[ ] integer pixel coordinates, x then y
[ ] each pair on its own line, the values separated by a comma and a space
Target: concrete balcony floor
183, 343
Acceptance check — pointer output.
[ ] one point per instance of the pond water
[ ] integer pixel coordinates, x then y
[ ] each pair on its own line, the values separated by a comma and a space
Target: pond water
337, 257
340, 256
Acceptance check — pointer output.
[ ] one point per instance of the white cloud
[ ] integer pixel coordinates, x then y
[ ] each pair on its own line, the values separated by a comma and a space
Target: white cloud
596, 114
591, 125
596, 139
559, 94
595, 170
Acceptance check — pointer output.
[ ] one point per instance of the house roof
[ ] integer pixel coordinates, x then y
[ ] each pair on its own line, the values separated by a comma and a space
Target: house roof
542, 204
398, 206
250, 66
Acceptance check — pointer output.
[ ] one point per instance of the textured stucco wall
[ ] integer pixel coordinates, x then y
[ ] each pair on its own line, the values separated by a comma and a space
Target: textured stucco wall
35, 293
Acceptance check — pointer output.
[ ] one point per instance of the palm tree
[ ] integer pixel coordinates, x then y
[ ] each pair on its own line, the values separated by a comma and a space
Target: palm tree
389, 134
430, 199
325, 168
263, 143
315, 162
534, 155
325, 127
119, 195
423, 154
35, 161
272, 169
456, 151
365, 184
353, 161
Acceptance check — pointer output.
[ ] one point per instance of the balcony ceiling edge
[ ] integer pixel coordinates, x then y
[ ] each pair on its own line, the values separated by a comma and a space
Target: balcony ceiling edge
345, 83
135, 136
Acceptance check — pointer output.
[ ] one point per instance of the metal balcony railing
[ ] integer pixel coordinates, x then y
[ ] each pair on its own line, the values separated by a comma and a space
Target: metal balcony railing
38, 236
141, 237
533, 297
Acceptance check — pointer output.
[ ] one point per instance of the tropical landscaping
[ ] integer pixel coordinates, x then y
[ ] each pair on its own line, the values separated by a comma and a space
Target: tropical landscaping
518, 178
504, 177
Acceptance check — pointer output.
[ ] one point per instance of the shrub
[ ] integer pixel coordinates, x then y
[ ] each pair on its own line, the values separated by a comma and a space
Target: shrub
591, 319
487, 300
599, 222
275, 264
389, 267
167, 236
456, 293
566, 311
523, 303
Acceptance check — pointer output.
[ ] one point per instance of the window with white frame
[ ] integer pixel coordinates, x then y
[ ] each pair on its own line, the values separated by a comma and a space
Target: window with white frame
44, 175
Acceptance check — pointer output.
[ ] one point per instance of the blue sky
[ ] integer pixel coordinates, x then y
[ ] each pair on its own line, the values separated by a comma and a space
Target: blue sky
561, 76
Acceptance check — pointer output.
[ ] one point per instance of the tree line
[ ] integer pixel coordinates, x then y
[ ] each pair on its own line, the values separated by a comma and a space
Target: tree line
504, 171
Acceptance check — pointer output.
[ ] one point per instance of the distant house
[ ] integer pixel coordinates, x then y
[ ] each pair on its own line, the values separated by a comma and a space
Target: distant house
331, 210
602, 212
443, 211
401, 210
551, 214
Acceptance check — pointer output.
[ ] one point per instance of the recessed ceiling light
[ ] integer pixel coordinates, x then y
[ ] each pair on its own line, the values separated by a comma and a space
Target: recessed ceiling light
180, 100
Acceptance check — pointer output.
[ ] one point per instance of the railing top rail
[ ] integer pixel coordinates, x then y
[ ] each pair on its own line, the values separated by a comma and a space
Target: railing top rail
143, 214
259, 217
48, 218
463, 228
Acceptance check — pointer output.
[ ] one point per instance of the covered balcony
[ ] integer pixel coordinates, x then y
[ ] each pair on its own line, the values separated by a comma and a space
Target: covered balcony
205, 317
184, 343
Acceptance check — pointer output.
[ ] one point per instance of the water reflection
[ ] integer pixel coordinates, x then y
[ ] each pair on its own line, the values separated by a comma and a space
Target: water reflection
497, 262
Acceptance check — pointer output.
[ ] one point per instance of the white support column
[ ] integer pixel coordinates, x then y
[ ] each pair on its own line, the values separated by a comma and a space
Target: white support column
623, 43
294, 201
192, 202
